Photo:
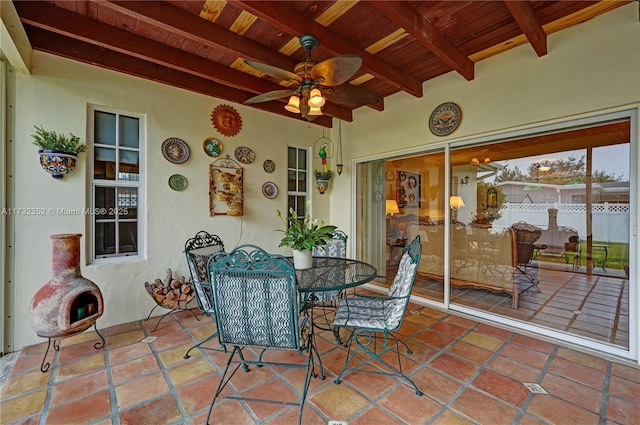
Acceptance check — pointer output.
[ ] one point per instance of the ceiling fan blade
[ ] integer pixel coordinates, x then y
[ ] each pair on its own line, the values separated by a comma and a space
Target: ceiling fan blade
272, 95
274, 71
336, 71
348, 94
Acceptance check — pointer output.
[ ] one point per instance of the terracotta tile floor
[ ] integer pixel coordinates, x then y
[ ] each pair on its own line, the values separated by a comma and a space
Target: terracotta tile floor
471, 373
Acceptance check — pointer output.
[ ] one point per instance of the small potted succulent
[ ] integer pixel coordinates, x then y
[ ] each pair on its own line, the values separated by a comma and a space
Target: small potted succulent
322, 179
302, 235
58, 152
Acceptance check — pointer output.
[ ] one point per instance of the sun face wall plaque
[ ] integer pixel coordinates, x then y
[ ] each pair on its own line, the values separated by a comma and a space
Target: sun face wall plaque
445, 119
226, 120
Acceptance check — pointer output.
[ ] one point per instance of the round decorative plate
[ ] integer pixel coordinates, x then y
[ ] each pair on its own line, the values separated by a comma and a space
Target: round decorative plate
226, 120
445, 119
212, 146
269, 190
269, 166
390, 175
175, 150
177, 182
244, 154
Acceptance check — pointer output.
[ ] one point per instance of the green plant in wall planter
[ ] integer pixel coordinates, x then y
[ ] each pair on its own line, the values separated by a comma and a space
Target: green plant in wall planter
58, 152
322, 179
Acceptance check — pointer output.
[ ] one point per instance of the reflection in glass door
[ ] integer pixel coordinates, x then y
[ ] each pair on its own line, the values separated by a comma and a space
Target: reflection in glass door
539, 230
543, 235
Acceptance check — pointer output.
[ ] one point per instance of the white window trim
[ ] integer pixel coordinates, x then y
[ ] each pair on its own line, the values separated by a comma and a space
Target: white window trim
140, 185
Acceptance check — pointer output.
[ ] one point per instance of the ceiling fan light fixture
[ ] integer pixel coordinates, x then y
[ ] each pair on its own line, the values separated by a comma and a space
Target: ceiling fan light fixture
315, 99
293, 105
314, 111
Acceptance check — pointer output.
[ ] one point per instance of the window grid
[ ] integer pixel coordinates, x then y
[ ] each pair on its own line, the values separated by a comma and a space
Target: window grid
116, 184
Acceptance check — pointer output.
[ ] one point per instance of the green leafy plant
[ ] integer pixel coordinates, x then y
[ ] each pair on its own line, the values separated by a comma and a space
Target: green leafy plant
50, 140
304, 233
321, 174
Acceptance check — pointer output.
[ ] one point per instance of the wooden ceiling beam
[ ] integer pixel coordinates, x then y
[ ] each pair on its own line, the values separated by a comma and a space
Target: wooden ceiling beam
61, 21
526, 19
78, 50
179, 21
282, 16
427, 34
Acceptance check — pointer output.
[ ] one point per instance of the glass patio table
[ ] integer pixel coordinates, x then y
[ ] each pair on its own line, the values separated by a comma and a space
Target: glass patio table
334, 274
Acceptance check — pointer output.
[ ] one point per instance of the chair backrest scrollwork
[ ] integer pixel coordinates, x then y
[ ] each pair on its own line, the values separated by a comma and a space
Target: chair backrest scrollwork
198, 250
255, 299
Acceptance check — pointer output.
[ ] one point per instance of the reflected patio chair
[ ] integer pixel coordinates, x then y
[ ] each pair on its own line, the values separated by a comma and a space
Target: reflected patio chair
374, 318
256, 305
525, 269
198, 250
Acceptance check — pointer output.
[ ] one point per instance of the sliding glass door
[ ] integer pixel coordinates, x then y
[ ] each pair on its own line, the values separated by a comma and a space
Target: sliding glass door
537, 228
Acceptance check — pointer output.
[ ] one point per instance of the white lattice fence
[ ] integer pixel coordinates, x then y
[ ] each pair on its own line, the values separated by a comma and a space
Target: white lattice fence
610, 221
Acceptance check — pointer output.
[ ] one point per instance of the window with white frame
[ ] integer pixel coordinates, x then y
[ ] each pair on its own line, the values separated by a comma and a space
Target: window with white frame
116, 183
297, 171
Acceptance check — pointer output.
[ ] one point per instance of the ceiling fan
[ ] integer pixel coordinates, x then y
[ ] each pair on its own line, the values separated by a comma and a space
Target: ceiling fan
317, 82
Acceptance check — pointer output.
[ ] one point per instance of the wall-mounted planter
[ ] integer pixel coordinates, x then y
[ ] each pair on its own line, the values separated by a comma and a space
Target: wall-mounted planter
57, 163
322, 185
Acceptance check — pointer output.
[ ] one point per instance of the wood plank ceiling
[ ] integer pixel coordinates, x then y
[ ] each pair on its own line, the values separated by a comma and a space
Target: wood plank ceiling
200, 45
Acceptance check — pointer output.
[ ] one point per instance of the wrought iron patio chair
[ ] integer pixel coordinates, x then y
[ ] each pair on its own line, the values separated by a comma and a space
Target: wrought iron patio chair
336, 248
198, 250
373, 318
256, 305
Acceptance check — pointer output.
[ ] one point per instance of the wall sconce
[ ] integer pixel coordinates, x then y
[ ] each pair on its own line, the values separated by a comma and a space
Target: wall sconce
464, 181
455, 202
392, 207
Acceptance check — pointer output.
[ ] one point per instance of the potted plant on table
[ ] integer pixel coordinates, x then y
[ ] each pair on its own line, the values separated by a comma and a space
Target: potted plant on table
302, 235
58, 152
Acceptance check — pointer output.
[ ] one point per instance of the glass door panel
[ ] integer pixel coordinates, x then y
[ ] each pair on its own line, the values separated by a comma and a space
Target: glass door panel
540, 230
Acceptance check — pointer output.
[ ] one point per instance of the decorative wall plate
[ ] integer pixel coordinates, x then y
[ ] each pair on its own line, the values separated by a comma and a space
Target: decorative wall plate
269, 166
175, 150
177, 182
226, 120
244, 154
445, 119
269, 190
212, 146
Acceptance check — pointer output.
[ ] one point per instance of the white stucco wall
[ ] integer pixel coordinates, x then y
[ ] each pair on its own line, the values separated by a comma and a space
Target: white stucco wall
57, 95
590, 69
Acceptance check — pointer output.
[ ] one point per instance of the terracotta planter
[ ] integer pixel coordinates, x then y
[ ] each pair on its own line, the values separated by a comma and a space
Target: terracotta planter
322, 185
57, 163
302, 259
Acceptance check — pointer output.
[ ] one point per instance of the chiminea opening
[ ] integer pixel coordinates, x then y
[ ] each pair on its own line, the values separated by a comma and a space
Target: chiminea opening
84, 307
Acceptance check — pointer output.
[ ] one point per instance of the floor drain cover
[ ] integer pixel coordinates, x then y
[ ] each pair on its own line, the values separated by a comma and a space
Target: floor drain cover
535, 388
148, 339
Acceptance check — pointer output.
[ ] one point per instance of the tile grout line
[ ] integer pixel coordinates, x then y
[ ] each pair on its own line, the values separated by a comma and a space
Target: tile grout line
54, 366
605, 396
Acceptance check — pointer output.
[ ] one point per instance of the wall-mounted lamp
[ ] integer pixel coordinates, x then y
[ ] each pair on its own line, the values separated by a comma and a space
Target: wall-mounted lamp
455, 202
392, 207
464, 180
